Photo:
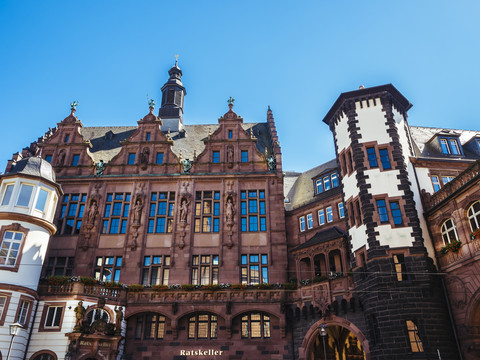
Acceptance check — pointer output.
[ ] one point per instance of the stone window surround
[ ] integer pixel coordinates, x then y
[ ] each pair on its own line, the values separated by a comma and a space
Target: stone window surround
447, 139
46, 306
5, 306
355, 219
16, 228
29, 312
401, 204
378, 147
347, 166
44, 352
62, 221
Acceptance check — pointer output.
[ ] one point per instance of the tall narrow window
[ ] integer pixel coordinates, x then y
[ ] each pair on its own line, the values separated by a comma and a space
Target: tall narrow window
117, 207
396, 213
10, 248
41, 199
3, 301
156, 270
8, 195
309, 221
207, 211
385, 159
358, 217
48, 158
22, 314
150, 326
160, 213
414, 337
205, 269
341, 210
350, 161
159, 158
449, 232
329, 214
454, 146
372, 157
255, 326
474, 215
71, 213
66, 138
215, 156
321, 217
254, 269
382, 211
400, 267
435, 183
147, 137
319, 186
244, 156
253, 211
75, 159
131, 159
61, 265
107, 268
230, 134
301, 221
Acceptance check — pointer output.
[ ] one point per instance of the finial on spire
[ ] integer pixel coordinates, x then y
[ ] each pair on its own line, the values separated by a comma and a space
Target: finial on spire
73, 106
176, 60
230, 101
151, 103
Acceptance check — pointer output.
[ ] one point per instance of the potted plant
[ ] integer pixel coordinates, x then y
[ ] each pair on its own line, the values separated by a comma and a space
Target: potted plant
58, 280
452, 247
475, 234
159, 288
135, 287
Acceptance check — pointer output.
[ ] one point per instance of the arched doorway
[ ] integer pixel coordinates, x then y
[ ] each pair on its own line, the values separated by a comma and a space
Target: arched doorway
343, 341
339, 343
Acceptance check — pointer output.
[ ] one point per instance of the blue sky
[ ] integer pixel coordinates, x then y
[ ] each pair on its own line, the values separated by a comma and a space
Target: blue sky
296, 57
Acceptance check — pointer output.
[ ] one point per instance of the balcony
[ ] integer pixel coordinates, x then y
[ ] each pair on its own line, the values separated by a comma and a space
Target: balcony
452, 260
464, 179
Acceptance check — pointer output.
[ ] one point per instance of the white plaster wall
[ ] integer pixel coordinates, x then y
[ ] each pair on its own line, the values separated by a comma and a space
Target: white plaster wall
394, 237
359, 237
385, 182
342, 135
350, 188
371, 121
33, 255
19, 342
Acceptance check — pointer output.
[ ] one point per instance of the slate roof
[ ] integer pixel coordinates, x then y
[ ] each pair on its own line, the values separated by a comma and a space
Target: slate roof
427, 146
322, 236
299, 188
34, 166
106, 147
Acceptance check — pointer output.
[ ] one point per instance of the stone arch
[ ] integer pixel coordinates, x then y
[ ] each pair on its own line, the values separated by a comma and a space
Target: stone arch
42, 352
312, 334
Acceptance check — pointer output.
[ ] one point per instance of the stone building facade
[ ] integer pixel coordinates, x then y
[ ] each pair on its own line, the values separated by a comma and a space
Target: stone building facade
177, 241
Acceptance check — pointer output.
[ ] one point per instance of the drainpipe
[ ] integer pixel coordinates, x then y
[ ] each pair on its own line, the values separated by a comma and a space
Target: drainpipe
31, 330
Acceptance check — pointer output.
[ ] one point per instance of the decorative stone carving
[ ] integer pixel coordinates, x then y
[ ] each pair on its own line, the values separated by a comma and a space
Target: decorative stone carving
183, 209
61, 158
92, 213
79, 314
230, 156
99, 168
229, 210
271, 163
137, 210
118, 320
144, 157
186, 165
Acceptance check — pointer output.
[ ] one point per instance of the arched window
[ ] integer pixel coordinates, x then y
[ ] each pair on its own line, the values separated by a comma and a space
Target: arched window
44, 356
474, 215
150, 326
97, 314
255, 326
202, 326
414, 337
449, 231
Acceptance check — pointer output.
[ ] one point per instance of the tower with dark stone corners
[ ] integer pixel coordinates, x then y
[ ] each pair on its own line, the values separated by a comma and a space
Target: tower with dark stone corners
173, 93
392, 255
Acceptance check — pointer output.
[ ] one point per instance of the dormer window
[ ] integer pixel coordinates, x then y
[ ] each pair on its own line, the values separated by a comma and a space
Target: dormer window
326, 182
450, 145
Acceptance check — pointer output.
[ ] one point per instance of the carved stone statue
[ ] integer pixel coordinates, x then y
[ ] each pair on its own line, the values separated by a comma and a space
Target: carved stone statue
99, 168
118, 319
61, 158
137, 211
229, 210
92, 212
184, 209
79, 314
271, 163
187, 165
144, 156
230, 156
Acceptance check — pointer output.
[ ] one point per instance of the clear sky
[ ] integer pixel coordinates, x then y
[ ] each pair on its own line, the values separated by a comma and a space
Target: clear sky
296, 56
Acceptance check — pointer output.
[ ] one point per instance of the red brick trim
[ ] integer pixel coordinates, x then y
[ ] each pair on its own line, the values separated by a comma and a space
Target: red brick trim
5, 307
18, 228
41, 326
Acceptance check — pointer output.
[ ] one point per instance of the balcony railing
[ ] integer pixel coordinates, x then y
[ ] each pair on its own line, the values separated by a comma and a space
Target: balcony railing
464, 178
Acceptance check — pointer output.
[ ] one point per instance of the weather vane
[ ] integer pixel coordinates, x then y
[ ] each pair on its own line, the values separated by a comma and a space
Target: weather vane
230, 101
151, 102
73, 105
176, 60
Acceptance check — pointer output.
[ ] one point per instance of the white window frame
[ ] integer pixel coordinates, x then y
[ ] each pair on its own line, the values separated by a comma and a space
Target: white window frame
23, 313
4, 193
341, 210
9, 250
436, 182
2, 305
301, 222
309, 221
54, 317
446, 231
321, 214
20, 193
37, 197
475, 216
329, 214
